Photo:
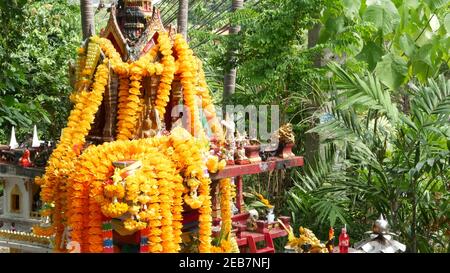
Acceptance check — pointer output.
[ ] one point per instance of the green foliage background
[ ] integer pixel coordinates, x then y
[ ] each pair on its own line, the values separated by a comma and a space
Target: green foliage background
37, 41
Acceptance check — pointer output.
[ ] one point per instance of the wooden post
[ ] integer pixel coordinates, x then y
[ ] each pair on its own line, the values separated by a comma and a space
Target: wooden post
239, 197
183, 11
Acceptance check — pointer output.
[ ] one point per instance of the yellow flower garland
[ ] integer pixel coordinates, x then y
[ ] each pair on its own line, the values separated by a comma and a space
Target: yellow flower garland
187, 71
226, 197
76, 180
163, 95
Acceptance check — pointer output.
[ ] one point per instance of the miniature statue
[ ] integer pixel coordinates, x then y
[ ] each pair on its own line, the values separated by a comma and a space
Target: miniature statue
25, 160
149, 129
241, 142
230, 147
307, 242
270, 216
177, 121
253, 219
215, 148
286, 139
380, 240
344, 240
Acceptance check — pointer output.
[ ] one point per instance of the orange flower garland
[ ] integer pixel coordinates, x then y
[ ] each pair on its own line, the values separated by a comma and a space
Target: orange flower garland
159, 191
168, 74
174, 167
186, 69
129, 115
226, 197
73, 137
124, 83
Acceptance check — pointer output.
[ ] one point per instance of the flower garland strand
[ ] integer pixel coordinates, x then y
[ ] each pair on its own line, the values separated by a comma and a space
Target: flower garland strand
72, 139
186, 69
226, 198
168, 74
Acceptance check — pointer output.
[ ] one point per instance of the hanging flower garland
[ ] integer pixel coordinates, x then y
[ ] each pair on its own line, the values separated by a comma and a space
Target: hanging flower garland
72, 139
129, 114
226, 199
168, 74
83, 185
187, 71
153, 194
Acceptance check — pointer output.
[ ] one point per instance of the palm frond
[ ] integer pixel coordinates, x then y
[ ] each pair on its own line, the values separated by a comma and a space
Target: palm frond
330, 209
432, 100
367, 92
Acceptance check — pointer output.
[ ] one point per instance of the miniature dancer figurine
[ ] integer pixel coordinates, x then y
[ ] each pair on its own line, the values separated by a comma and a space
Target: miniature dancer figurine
330, 243
25, 159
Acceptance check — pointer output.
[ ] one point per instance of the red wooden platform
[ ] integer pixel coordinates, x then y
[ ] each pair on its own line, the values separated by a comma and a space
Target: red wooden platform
260, 167
247, 239
254, 168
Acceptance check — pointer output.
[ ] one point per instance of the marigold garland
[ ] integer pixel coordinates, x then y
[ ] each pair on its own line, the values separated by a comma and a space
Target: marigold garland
72, 139
168, 74
187, 71
158, 180
83, 185
226, 198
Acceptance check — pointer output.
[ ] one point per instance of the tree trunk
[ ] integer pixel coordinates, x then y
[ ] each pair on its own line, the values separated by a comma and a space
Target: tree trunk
230, 76
313, 39
87, 18
183, 17
312, 140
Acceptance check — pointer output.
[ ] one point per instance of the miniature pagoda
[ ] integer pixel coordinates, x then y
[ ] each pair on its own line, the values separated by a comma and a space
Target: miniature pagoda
380, 240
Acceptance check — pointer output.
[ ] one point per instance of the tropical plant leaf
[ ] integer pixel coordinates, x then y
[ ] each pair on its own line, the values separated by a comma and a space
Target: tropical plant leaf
433, 99
392, 70
367, 92
383, 14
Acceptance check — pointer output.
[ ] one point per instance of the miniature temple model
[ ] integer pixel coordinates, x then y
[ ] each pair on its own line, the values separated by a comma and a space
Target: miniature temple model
20, 202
